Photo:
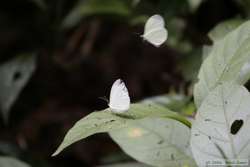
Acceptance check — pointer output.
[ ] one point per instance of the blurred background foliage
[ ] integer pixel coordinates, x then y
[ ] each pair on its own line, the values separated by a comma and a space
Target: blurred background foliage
58, 56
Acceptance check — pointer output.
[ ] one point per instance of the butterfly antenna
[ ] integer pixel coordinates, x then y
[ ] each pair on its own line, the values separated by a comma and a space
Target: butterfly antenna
104, 98
137, 34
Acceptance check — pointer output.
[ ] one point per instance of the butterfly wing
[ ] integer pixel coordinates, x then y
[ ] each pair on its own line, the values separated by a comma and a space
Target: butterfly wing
154, 22
119, 98
157, 36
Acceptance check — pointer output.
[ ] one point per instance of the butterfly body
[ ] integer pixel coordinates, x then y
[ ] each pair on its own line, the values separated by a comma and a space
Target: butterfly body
119, 100
154, 31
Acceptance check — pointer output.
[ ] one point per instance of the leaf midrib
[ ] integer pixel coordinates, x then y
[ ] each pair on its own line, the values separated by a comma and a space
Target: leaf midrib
227, 124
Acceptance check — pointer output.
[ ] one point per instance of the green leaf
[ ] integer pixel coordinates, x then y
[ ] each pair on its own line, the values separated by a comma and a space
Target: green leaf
7, 148
170, 8
156, 142
106, 121
224, 28
40, 3
206, 49
221, 127
172, 101
14, 76
96, 7
224, 62
219, 32
190, 64
175, 102
176, 27
11, 162
189, 109
138, 20
244, 73
194, 4
135, 3
127, 164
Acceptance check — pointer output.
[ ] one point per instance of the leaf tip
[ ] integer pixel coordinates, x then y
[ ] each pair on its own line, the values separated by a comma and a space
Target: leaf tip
58, 150
55, 153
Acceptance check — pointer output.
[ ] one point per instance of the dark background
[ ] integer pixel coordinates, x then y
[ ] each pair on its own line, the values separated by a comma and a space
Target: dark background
78, 62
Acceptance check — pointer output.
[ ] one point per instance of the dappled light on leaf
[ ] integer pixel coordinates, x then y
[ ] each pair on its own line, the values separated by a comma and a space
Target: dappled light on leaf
135, 132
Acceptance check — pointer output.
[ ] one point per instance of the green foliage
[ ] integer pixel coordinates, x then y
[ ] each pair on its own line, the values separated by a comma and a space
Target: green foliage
171, 8
223, 103
244, 75
11, 162
156, 141
96, 7
150, 132
224, 28
189, 64
219, 32
176, 27
14, 76
106, 121
126, 165
194, 4
212, 136
154, 131
172, 101
224, 62
39, 3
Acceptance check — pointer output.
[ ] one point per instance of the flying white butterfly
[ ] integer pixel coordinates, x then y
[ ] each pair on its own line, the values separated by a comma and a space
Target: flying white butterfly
154, 30
119, 100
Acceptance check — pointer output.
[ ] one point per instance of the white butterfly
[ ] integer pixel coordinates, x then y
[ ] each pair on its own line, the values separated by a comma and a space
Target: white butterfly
119, 100
154, 30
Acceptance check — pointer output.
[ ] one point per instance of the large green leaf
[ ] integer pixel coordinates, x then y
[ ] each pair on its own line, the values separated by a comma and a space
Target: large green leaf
172, 101
221, 127
11, 162
175, 102
218, 33
224, 62
224, 28
14, 76
244, 75
127, 164
206, 49
106, 121
160, 142
93, 7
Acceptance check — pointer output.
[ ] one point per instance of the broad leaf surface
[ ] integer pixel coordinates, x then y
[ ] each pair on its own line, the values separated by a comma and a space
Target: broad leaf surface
224, 62
11, 162
127, 164
106, 121
223, 28
244, 75
215, 133
14, 76
172, 101
160, 142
